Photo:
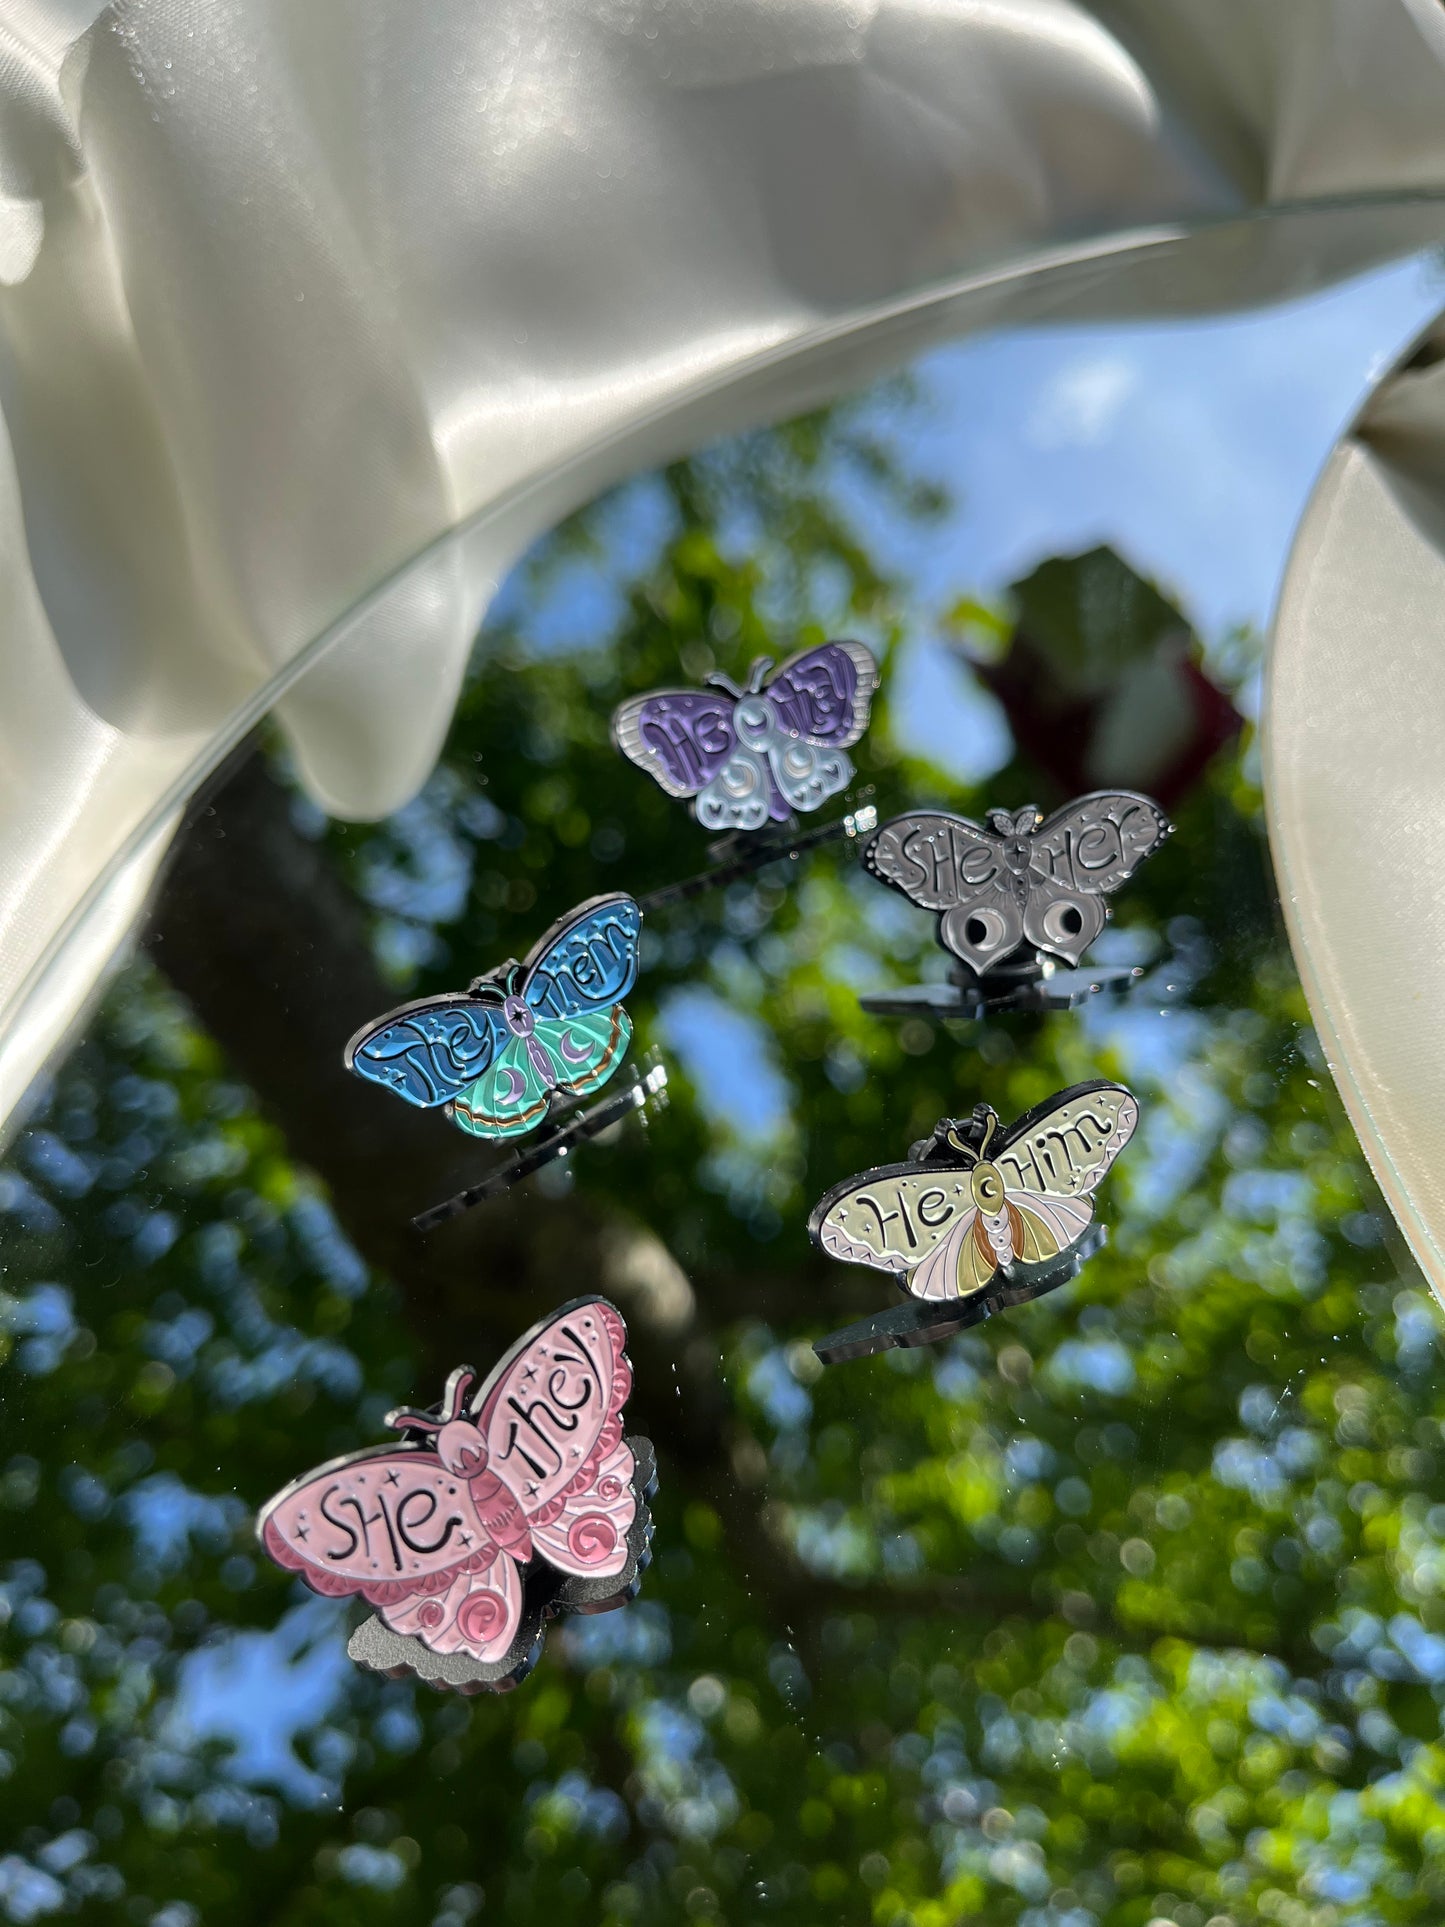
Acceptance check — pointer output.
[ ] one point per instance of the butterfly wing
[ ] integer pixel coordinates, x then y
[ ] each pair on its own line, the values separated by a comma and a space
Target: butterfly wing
430, 1050
945, 863
961, 1266
386, 1524
585, 1051
1044, 1227
742, 796
573, 980
681, 737
477, 1614
551, 1415
919, 1222
1056, 1155
1082, 853
816, 703
892, 1218
587, 961
512, 1097
824, 695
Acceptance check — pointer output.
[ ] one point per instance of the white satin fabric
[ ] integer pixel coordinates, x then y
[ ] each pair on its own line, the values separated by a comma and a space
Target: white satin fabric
314, 312
1355, 755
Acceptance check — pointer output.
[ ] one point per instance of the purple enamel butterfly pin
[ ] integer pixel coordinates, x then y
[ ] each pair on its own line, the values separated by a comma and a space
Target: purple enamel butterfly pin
747, 755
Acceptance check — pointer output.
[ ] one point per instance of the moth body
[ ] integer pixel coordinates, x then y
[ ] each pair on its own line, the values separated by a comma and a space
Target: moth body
501, 1513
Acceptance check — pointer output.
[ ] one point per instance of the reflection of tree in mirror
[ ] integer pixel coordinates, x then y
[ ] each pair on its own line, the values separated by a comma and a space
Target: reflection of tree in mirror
1122, 1608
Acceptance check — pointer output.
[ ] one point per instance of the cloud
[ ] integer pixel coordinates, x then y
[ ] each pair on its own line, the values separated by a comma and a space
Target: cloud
1190, 446
1081, 403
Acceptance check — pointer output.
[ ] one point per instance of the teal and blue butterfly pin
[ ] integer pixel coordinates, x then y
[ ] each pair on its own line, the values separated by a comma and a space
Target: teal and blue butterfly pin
522, 1038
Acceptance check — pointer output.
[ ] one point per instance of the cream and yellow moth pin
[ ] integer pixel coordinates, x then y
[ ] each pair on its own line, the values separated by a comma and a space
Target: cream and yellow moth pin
979, 1216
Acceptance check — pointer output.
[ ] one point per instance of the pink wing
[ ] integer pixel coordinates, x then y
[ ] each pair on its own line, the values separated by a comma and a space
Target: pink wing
1065, 1219
938, 1275
551, 1416
478, 1613
384, 1524
584, 1530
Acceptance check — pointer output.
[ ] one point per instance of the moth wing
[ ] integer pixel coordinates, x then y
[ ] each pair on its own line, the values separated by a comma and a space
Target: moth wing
742, 795
681, 737
824, 695
804, 775
383, 1524
1064, 1147
959, 1267
509, 1100
586, 1050
1081, 854
551, 1412
933, 858
945, 863
1044, 1226
891, 1218
430, 1050
584, 1529
478, 1613
1062, 921
587, 961
984, 931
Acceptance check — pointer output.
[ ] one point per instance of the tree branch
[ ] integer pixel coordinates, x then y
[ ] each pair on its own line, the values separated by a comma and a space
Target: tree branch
258, 930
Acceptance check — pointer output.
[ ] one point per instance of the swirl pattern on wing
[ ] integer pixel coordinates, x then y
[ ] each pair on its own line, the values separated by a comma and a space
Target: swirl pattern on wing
430, 1050
824, 695
584, 1528
476, 1613
681, 737
587, 961
743, 795
551, 1414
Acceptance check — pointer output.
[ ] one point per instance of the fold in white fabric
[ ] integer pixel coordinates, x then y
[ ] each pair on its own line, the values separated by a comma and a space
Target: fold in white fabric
312, 315
1355, 753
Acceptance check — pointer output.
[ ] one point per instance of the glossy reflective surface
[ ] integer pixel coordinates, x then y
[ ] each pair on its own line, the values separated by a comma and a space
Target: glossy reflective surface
1123, 1607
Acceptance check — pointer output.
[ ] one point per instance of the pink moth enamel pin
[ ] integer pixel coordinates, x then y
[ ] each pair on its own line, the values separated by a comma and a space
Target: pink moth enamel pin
499, 1510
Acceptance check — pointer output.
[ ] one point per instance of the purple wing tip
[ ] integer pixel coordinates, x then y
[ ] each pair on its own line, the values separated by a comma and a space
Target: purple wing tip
825, 694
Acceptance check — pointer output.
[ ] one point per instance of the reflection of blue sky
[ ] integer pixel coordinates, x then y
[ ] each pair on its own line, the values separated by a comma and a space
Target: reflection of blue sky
257, 1692
728, 1060
164, 1516
1191, 447
583, 599
943, 713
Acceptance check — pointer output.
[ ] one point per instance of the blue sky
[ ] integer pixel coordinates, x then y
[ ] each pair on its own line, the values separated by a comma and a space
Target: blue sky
1190, 446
